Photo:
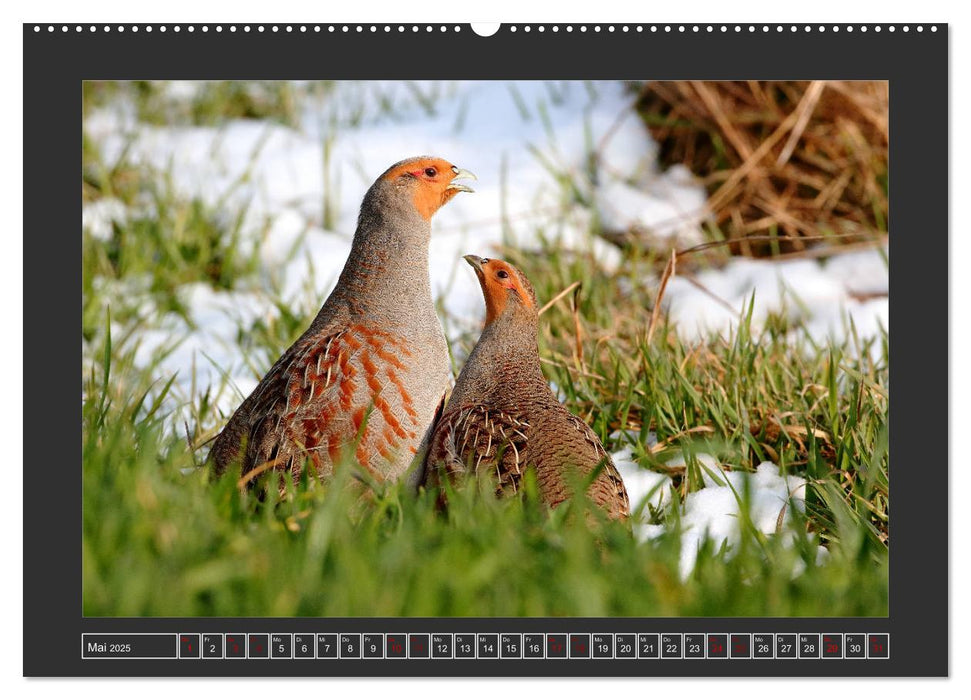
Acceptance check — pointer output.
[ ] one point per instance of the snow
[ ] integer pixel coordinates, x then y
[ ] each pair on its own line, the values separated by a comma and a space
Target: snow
320, 254
666, 211
868, 318
97, 218
300, 190
644, 487
820, 295
712, 512
519, 137
512, 135
862, 272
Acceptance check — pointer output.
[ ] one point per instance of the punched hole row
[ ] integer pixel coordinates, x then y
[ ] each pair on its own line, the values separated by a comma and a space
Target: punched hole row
400, 28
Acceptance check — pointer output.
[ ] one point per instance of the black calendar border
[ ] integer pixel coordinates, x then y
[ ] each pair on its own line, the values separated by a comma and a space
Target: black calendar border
915, 62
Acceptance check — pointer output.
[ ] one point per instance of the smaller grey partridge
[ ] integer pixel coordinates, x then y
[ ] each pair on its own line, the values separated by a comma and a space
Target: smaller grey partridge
503, 419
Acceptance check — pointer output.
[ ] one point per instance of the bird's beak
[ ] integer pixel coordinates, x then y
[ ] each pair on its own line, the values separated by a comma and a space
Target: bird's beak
476, 262
459, 175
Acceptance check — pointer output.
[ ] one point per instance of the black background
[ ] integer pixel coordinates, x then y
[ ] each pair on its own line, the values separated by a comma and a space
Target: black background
915, 63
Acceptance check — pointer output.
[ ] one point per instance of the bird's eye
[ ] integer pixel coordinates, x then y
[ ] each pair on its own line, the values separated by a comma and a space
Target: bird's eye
502, 274
431, 172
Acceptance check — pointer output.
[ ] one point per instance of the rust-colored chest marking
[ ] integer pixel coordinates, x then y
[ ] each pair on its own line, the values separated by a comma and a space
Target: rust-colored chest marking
349, 388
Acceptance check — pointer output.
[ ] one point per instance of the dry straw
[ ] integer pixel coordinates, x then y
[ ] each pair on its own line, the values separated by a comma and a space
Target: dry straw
787, 159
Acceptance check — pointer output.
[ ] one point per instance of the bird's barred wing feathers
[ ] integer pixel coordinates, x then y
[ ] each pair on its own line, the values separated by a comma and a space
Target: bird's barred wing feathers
476, 439
328, 393
607, 489
306, 380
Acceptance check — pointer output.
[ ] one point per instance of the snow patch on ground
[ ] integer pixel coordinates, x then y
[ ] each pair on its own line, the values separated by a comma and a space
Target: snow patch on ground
869, 318
667, 211
820, 295
862, 272
521, 138
644, 487
201, 349
98, 218
712, 512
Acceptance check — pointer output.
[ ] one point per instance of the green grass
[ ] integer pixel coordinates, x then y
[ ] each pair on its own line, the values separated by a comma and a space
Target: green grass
159, 538
211, 104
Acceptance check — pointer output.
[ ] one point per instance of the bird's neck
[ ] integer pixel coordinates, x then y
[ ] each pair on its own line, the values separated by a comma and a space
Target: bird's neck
503, 365
385, 278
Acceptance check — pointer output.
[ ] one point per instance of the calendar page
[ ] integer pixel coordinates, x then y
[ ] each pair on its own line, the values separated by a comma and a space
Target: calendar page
446, 349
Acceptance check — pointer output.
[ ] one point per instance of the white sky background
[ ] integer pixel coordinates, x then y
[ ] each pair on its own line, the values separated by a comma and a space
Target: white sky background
708, 11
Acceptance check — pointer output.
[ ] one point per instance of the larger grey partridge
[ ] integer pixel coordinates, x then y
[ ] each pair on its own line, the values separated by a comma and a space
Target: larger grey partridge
364, 381
502, 418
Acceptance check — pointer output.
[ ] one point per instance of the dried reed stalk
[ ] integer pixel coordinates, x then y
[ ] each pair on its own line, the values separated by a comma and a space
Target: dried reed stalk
785, 159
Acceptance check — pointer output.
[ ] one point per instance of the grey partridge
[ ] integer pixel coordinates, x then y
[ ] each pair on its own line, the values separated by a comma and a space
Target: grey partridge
364, 381
502, 418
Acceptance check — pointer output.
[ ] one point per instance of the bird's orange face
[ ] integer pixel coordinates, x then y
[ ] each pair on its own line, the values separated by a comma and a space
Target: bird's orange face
500, 281
432, 181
